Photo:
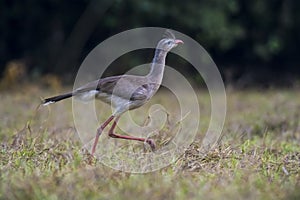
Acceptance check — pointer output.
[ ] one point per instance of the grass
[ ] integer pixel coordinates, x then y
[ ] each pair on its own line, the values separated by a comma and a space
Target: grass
258, 157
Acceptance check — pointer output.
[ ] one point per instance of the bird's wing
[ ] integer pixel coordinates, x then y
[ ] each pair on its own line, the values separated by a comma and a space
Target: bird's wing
105, 85
140, 93
144, 91
121, 86
126, 86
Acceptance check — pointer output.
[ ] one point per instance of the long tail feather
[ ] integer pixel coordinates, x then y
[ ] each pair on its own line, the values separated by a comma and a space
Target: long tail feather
57, 98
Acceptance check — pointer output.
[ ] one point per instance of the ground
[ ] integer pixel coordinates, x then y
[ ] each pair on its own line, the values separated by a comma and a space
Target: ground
258, 156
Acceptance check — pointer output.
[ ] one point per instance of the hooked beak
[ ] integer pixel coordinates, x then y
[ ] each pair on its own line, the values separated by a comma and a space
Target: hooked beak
179, 42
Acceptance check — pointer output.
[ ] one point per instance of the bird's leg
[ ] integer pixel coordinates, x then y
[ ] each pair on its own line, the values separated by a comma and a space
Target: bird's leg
113, 135
99, 131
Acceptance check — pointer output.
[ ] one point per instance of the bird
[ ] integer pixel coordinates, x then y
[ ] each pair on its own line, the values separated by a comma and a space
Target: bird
125, 92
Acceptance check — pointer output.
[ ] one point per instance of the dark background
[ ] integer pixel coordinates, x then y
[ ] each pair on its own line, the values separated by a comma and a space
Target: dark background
254, 43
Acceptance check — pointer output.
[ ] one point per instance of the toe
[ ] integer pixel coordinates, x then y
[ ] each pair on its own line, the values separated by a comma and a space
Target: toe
152, 144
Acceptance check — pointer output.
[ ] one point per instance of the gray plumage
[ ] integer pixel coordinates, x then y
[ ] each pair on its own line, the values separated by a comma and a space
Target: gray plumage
125, 92
129, 90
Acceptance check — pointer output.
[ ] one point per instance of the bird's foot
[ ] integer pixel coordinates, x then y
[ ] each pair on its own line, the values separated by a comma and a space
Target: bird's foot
151, 143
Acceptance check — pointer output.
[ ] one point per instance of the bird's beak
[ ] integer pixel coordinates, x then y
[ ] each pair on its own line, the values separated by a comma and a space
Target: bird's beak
179, 42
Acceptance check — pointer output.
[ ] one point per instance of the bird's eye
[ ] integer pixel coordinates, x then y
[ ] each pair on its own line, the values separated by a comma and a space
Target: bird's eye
169, 43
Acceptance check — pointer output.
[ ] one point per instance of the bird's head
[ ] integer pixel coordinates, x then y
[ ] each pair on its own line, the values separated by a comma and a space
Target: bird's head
169, 42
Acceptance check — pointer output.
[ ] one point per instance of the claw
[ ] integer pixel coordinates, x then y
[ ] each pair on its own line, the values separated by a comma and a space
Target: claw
151, 143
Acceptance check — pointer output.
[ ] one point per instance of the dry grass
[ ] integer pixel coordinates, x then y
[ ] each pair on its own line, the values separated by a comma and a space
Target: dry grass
258, 157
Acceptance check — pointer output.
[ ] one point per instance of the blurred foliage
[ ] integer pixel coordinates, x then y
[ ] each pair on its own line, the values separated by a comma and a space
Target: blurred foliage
52, 81
13, 75
247, 39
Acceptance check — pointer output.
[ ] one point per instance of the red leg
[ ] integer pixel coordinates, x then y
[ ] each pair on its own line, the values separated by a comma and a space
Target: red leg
113, 135
99, 131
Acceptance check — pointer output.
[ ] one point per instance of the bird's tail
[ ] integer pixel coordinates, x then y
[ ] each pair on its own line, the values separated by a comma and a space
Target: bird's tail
57, 98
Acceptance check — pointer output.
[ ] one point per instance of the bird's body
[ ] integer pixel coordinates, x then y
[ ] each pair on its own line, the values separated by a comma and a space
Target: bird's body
124, 92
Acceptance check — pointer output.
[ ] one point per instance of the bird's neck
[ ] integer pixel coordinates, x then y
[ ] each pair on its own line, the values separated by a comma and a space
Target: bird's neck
157, 66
